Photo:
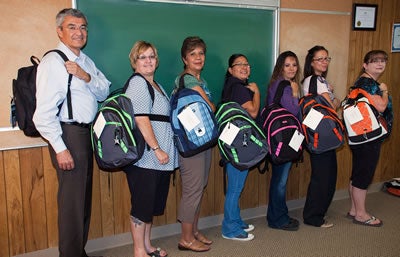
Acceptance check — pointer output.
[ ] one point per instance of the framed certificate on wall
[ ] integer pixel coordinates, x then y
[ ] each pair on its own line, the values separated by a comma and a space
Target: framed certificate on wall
364, 16
396, 37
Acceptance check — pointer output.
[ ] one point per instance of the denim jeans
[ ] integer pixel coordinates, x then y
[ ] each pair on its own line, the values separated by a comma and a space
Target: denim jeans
277, 212
232, 225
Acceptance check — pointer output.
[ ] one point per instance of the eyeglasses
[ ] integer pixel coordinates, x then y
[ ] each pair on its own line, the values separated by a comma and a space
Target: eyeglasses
76, 28
144, 57
378, 60
322, 59
241, 65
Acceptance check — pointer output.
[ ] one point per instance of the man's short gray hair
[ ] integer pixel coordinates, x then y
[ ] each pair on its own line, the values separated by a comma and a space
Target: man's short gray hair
69, 12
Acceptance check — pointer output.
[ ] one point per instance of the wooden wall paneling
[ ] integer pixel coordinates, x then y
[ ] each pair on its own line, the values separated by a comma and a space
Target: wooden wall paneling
33, 199
96, 217
249, 197
352, 69
12, 178
107, 206
159, 220
209, 195
395, 82
50, 192
178, 190
386, 21
263, 184
304, 170
122, 203
292, 186
4, 242
293, 183
172, 202
344, 167
218, 174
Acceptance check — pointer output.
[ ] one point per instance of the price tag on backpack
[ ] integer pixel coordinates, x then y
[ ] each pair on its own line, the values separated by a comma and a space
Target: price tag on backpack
313, 119
99, 125
352, 114
296, 140
188, 119
229, 133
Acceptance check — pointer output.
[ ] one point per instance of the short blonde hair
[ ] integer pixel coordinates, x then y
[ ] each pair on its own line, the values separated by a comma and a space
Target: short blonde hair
138, 48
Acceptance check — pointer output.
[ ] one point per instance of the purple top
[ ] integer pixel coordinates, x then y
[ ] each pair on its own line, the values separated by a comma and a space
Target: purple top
287, 101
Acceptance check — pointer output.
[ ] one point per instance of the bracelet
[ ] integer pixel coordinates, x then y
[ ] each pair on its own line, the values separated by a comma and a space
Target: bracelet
155, 148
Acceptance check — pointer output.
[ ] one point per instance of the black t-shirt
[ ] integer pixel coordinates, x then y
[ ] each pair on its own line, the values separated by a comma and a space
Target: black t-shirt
235, 90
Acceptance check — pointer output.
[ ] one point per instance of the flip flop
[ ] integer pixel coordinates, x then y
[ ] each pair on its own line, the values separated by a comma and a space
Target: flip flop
157, 253
349, 216
368, 222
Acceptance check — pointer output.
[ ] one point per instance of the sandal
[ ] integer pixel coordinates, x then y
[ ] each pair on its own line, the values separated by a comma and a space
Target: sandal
368, 222
195, 246
157, 253
200, 237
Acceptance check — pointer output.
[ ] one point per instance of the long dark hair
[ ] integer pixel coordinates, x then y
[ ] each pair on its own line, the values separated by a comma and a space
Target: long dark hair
308, 69
280, 64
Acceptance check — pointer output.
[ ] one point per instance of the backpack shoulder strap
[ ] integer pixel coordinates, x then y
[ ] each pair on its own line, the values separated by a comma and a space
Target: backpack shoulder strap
182, 80
154, 117
357, 92
279, 91
149, 86
312, 89
69, 103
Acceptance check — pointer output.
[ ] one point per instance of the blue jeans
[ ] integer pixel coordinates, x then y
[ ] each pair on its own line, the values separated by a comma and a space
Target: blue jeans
277, 212
232, 225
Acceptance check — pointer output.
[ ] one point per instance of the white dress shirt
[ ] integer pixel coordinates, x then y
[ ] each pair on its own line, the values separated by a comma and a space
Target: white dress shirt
51, 91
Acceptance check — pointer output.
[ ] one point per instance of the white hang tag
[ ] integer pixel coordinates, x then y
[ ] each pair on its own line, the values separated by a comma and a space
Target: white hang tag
296, 140
99, 125
229, 133
188, 119
352, 114
313, 118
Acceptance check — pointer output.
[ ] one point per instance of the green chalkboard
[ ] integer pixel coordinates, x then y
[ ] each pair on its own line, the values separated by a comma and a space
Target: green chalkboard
114, 26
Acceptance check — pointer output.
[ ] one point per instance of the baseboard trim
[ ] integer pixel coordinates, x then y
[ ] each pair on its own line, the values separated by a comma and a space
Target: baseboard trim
103, 243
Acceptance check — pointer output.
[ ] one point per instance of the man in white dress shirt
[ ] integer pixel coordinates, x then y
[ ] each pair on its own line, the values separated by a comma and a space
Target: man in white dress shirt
69, 137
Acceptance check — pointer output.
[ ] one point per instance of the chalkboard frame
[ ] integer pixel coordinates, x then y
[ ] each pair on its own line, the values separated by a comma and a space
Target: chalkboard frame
113, 60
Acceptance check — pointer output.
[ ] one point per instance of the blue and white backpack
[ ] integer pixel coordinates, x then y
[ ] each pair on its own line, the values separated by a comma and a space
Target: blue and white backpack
192, 120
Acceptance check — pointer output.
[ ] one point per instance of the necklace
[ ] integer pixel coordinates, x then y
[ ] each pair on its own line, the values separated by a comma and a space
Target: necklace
370, 76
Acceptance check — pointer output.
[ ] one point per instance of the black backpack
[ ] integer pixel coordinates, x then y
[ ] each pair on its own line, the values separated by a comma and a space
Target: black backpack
116, 140
329, 133
24, 95
279, 126
249, 146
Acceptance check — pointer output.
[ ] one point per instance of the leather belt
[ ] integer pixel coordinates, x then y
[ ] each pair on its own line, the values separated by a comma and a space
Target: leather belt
74, 123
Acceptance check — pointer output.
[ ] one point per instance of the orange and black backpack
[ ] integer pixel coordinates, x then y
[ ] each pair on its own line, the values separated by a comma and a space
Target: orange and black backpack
363, 122
392, 186
329, 132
